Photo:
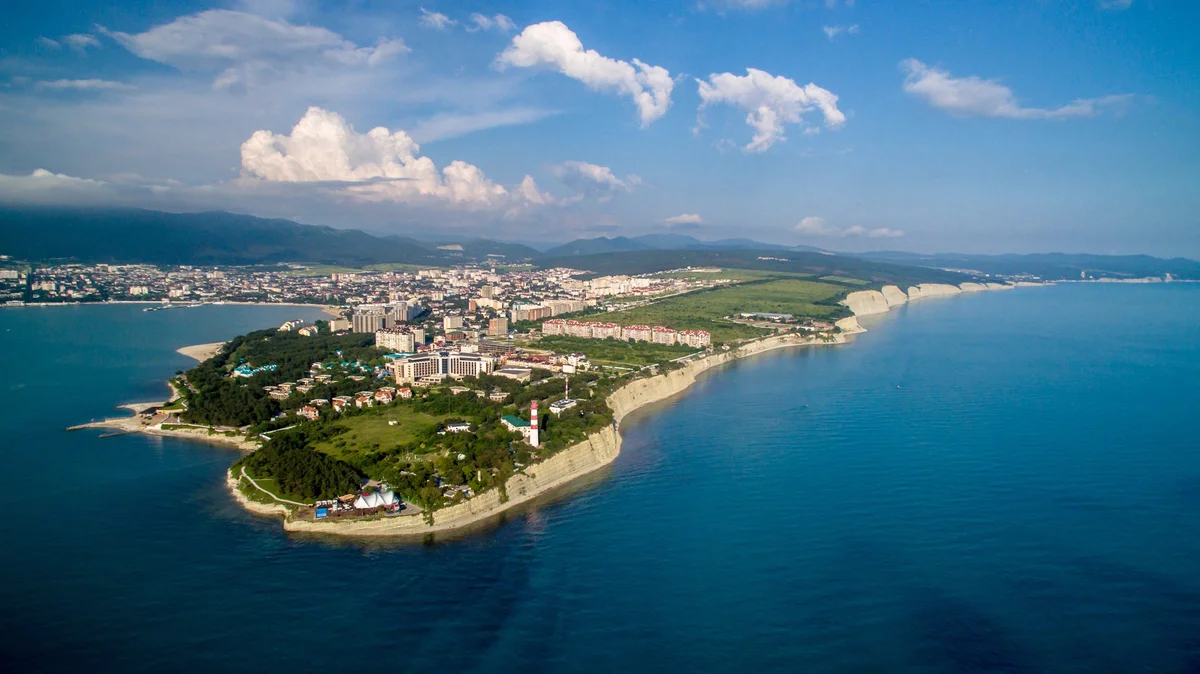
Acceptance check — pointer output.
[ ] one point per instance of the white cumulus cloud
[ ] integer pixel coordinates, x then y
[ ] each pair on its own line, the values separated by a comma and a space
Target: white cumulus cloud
684, 219
817, 226
553, 45
380, 165
976, 97
244, 47
770, 102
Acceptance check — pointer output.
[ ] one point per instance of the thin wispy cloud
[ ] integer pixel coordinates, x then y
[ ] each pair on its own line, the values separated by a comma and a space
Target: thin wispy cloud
83, 85
498, 22
455, 124
593, 180
246, 48
817, 226
973, 96
80, 42
435, 20
833, 31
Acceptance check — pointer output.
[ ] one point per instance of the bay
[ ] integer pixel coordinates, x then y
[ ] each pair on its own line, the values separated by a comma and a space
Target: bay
1001, 482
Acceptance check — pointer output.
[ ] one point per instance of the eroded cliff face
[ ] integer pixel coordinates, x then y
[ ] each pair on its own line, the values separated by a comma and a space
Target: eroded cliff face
927, 290
894, 296
850, 326
973, 287
596, 451
866, 302
593, 452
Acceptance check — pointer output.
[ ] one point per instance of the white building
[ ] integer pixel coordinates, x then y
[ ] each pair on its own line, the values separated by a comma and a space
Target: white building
441, 364
396, 341
559, 406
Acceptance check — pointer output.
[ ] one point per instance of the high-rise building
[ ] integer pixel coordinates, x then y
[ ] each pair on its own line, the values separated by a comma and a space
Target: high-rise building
395, 340
452, 323
368, 321
497, 327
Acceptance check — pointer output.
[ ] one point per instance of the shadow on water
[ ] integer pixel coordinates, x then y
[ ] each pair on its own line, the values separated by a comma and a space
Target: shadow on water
1168, 607
956, 636
1188, 491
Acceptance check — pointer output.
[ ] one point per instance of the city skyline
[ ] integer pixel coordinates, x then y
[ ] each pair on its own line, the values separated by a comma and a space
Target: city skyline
846, 125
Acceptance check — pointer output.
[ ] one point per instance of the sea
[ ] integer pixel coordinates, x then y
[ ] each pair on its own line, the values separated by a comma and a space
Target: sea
997, 482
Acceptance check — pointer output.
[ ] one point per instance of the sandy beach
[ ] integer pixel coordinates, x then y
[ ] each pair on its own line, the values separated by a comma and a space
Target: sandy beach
201, 352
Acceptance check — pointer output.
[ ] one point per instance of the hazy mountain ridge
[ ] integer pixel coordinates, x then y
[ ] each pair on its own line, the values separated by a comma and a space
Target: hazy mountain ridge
817, 264
220, 238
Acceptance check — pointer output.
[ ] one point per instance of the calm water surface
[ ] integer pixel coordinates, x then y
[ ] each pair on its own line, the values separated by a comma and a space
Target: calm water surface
1005, 482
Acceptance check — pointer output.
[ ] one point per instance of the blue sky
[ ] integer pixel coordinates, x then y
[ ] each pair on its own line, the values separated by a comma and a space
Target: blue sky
931, 125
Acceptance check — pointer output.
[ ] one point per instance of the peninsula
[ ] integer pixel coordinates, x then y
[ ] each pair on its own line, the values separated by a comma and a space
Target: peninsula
424, 411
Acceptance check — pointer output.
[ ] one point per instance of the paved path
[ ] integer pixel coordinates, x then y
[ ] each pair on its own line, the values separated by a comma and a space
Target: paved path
282, 500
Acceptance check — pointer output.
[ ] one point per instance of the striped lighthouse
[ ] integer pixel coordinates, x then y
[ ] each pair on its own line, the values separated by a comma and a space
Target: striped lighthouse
533, 424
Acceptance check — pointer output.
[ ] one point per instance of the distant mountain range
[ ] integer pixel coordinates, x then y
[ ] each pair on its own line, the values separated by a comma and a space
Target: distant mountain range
219, 238
820, 264
623, 244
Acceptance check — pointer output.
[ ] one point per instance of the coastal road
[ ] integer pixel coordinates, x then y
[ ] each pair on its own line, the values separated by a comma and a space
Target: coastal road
256, 486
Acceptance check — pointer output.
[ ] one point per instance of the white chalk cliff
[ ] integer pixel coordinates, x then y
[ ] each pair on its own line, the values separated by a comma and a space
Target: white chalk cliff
866, 302
927, 290
894, 296
871, 302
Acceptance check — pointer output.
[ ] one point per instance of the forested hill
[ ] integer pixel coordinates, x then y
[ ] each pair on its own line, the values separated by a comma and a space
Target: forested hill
1051, 266
215, 238
800, 262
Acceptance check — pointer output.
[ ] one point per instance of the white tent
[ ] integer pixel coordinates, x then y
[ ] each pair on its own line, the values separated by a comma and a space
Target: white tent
374, 500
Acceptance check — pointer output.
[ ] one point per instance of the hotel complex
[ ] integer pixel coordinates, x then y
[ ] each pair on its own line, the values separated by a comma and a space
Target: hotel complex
630, 333
435, 366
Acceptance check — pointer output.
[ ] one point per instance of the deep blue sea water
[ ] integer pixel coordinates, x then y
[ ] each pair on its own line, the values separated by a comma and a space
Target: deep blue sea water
1003, 482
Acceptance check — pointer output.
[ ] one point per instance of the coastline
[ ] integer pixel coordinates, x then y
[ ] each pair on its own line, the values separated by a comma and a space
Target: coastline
201, 352
589, 455
329, 309
137, 423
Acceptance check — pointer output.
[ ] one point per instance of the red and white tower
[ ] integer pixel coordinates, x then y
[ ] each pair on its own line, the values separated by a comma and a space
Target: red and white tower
533, 424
